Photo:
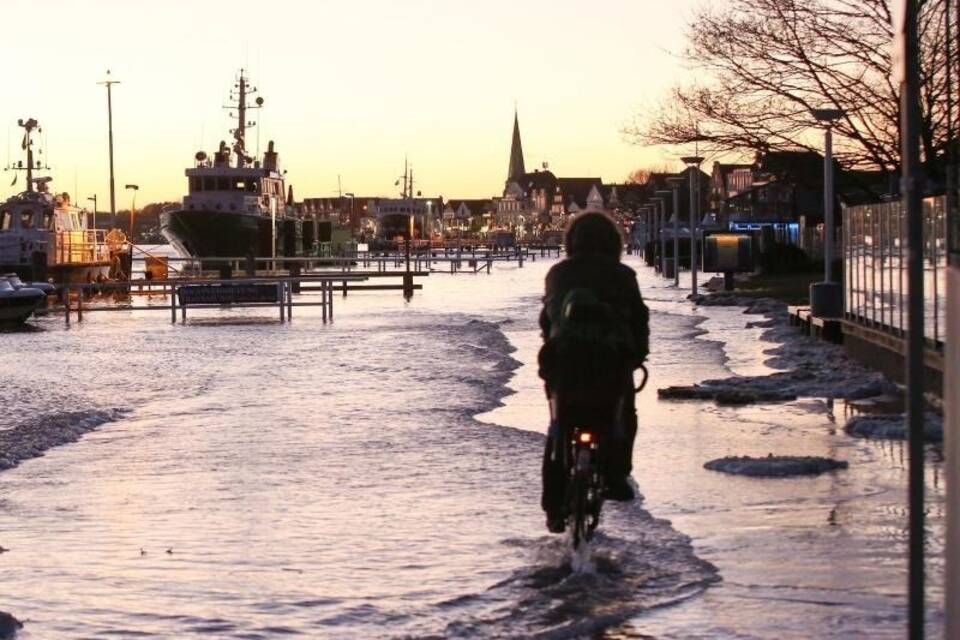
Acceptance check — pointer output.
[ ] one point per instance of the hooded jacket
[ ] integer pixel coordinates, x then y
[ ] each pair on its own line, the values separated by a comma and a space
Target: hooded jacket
593, 244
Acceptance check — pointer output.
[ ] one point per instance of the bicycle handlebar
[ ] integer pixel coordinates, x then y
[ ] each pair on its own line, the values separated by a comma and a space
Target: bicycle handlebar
643, 383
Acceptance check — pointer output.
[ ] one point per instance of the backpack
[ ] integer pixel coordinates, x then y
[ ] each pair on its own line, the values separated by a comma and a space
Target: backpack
589, 345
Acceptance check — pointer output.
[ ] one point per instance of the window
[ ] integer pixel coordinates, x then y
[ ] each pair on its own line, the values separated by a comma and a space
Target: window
223, 183
196, 184
6, 220
239, 185
49, 221
209, 184
26, 219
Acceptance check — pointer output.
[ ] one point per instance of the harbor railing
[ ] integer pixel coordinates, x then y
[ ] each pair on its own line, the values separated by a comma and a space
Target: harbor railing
202, 293
875, 268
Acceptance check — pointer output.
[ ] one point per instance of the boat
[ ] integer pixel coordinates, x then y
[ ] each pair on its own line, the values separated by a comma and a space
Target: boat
43, 236
236, 205
18, 303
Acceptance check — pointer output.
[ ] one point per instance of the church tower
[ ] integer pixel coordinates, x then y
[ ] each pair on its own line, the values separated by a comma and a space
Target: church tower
516, 152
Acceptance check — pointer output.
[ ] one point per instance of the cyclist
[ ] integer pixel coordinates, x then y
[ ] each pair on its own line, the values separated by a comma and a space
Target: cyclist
593, 244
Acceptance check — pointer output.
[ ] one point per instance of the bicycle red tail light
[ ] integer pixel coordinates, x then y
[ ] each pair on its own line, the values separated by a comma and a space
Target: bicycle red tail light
586, 437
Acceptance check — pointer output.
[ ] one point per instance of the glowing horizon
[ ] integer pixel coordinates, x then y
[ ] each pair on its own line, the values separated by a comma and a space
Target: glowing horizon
349, 90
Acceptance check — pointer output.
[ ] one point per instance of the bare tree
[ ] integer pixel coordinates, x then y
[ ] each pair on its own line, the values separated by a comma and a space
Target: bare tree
761, 65
642, 174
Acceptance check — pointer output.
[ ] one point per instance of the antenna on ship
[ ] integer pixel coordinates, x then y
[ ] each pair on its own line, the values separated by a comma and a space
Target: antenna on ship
28, 126
240, 93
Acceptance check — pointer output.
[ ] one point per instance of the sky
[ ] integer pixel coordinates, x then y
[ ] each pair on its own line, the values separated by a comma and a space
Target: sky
351, 88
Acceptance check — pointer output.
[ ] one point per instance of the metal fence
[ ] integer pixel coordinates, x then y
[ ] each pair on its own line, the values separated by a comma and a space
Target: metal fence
875, 267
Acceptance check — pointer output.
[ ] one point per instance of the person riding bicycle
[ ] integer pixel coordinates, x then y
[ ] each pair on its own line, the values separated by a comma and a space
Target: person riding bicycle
592, 276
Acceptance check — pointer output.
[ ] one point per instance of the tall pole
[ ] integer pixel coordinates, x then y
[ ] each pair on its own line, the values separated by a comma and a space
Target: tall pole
828, 226
694, 226
693, 164
675, 183
94, 199
912, 186
826, 298
952, 374
109, 84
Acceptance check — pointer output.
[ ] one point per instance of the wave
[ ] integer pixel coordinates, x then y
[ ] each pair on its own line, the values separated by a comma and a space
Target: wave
33, 437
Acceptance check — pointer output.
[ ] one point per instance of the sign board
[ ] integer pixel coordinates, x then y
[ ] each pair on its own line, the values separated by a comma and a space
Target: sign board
227, 293
728, 253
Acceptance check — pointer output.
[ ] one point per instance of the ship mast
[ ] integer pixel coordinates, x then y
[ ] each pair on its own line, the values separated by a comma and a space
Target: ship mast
27, 145
239, 134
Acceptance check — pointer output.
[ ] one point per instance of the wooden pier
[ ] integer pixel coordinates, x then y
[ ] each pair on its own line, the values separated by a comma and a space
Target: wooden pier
199, 293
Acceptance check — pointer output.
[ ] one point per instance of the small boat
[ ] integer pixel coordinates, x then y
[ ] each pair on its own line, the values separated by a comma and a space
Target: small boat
43, 235
47, 288
18, 304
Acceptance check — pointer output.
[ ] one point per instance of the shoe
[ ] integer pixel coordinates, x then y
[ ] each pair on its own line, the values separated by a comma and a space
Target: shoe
619, 491
556, 523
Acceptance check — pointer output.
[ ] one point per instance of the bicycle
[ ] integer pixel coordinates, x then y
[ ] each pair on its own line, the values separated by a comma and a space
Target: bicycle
585, 486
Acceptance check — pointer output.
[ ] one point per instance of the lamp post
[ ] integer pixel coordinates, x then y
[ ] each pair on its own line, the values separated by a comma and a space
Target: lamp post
676, 182
662, 196
350, 195
826, 298
693, 164
93, 198
108, 83
133, 209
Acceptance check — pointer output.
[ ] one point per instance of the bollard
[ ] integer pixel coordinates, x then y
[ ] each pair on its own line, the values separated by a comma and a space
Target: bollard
295, 273
280, 299
289, 301
324, 286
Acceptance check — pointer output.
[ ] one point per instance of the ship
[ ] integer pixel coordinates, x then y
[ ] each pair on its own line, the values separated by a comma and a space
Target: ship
43, 236
236, 205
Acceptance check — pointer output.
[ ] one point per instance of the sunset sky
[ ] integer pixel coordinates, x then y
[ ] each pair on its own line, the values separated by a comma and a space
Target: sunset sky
350, 88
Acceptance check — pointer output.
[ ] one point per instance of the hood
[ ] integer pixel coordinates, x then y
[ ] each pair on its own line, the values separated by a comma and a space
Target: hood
594, 233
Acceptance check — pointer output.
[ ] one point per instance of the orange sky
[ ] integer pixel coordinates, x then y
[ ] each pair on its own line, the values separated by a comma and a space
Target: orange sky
350, 88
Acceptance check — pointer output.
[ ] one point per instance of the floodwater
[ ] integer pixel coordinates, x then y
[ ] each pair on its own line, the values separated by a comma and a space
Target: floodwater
378, 477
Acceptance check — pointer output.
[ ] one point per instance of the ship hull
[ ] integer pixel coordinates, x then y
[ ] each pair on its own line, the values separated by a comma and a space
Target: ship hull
216, 234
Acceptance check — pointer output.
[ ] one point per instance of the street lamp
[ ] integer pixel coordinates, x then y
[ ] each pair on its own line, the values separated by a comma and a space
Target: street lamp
350, 195
826, 298
93, 198
133, 208
676, 182
662, 196
693, 164
109, 84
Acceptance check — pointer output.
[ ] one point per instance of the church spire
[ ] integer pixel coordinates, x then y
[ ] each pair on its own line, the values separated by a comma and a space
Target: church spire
516, 152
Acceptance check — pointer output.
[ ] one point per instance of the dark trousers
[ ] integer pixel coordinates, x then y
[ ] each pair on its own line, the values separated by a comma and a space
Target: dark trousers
616, 453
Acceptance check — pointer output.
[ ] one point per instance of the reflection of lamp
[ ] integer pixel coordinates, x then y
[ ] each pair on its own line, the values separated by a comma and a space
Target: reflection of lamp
826, 298
693, 164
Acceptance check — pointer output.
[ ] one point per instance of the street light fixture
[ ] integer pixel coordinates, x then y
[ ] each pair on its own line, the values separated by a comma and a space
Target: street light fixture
826, 298
693, 165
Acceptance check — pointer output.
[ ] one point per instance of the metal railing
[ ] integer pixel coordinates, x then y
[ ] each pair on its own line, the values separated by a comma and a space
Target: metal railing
875, 267
80, 247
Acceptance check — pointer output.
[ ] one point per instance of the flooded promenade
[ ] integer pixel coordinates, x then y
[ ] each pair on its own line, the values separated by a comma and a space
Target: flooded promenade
378, 477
